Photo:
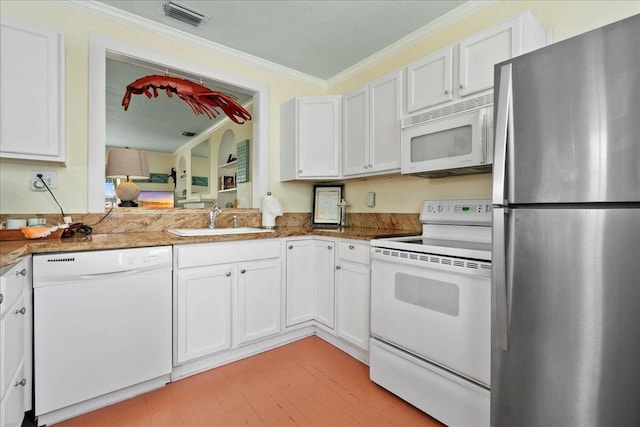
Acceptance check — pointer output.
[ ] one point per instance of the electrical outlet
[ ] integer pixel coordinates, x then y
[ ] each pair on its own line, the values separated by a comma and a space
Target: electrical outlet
49, 177
371, 199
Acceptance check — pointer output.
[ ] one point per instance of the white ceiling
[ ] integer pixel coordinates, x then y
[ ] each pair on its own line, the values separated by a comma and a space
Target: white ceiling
317, 38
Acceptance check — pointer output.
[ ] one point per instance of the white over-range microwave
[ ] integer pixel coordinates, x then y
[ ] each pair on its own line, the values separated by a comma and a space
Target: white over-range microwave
454, 140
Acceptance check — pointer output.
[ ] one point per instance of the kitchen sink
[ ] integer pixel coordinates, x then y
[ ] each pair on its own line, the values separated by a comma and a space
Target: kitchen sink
190, 232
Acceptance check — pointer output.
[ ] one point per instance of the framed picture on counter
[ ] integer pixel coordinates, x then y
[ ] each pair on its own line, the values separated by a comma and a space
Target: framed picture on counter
326, 198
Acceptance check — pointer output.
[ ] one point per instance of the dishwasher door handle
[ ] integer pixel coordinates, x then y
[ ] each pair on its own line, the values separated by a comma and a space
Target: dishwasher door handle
122, 273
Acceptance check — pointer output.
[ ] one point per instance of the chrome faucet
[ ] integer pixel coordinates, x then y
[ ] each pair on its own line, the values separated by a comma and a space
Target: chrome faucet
213, 213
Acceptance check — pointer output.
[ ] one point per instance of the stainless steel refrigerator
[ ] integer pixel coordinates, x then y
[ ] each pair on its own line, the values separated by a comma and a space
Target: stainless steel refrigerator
566, 233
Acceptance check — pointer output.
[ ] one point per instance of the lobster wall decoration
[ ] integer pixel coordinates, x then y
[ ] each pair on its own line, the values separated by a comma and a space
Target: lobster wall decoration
201, 99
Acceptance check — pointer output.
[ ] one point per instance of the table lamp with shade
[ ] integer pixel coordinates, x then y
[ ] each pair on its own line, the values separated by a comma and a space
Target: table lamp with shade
127, 163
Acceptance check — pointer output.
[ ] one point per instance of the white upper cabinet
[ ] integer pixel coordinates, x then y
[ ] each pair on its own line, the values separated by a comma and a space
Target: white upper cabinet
479, 53
355, 131
430, 80
466, 68
310, 131
371, 127
32, 109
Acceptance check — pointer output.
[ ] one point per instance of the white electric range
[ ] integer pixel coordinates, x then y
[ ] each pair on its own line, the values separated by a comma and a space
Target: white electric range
431, 312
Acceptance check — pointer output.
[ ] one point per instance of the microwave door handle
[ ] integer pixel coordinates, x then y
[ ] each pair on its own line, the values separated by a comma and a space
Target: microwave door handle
503, 115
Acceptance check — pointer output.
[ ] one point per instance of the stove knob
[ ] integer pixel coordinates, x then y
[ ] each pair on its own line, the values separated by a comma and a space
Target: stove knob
440, 208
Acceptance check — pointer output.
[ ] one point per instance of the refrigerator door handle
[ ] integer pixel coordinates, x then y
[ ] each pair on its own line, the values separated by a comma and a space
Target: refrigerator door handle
502, 118
499, 279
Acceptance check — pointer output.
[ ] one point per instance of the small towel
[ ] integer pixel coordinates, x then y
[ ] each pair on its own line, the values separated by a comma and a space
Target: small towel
37, 232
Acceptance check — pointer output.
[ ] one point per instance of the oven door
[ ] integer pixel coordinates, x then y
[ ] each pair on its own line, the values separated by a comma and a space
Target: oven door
448, 143
438, 308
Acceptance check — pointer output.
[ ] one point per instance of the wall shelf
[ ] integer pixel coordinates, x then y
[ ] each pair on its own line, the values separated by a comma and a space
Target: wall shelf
228, 165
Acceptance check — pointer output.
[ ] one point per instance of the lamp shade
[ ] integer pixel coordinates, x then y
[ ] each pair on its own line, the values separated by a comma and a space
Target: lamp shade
127, 163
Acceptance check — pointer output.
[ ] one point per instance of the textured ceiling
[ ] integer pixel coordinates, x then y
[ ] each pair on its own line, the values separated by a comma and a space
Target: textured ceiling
318, 38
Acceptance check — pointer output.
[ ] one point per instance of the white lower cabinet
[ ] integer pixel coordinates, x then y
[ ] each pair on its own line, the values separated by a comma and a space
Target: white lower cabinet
225, 295
324, 294
259, 286
203, 311
328, 281
15, 343
300, 280
353, 290
310, 281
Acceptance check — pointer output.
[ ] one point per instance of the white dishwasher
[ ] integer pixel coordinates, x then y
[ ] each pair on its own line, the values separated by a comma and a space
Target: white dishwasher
102, 323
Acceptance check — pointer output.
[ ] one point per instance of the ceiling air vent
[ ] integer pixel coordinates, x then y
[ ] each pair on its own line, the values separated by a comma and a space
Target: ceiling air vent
187, 133
181, 13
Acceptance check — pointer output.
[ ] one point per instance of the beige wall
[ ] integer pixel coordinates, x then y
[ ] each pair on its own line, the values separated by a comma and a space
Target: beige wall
394, 194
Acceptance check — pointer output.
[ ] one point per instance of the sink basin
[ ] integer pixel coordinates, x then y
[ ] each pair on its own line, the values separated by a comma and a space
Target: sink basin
189, 232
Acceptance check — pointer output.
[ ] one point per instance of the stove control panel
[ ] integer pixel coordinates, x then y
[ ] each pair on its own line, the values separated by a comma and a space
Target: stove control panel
464, 211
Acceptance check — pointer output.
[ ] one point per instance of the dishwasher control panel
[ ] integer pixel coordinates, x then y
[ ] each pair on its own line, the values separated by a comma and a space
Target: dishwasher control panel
48, 268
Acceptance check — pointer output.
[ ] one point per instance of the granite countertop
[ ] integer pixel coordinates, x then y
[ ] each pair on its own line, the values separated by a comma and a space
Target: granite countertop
12, 250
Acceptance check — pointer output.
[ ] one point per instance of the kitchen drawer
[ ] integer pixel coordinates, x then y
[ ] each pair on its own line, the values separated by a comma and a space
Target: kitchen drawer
12, 342
12, 282
353, 252
200, 255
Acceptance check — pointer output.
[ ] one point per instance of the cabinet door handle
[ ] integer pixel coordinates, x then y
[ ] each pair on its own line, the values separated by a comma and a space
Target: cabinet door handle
351, 246
446, 92
22, 272
23, 383
290, 246
228, 273
329, 247
21, 311
461, 87
338, 267
243, 271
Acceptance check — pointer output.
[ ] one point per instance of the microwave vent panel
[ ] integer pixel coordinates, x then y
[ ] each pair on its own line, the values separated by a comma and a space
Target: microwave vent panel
449, 110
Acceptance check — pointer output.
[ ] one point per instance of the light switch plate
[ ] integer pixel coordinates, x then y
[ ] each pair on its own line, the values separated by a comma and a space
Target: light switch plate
370, 200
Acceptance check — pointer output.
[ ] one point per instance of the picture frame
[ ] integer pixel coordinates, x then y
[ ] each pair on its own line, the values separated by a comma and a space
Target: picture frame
155, 178
228, 182
202, 181
326, 198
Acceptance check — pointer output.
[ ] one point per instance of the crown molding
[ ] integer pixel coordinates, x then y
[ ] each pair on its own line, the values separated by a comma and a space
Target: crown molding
458, 14
125, 18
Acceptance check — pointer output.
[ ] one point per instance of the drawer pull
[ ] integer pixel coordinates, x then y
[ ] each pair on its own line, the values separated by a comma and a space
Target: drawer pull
21, 311
22, 383
351, 246
22, 272
338, 267
228, 273
290, 246
243, 271
329, 247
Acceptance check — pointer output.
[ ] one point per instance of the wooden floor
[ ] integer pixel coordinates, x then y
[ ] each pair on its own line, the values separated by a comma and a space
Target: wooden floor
306, 383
